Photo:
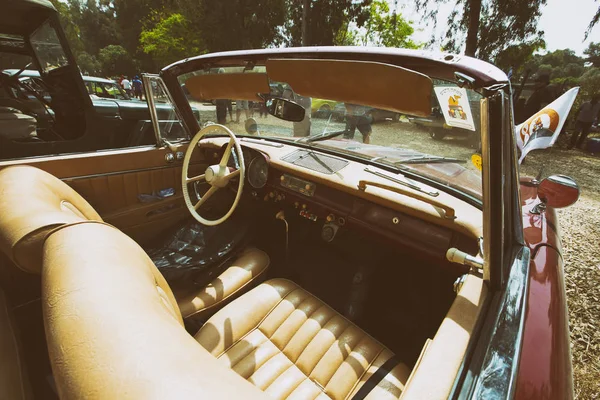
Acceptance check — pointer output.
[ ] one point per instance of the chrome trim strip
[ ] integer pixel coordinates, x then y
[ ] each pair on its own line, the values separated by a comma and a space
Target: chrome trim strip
498, 376
151, 106
261, 141
130, 171
398, 181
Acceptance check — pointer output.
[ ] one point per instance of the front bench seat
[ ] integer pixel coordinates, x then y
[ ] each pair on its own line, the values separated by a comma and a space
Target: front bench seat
34, 202
291, 345
114, 331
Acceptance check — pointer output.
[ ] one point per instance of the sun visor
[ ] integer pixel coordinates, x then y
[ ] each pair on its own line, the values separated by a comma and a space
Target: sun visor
232, 86
378, 85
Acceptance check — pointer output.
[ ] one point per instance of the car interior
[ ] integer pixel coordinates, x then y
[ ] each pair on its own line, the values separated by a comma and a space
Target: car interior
239, 268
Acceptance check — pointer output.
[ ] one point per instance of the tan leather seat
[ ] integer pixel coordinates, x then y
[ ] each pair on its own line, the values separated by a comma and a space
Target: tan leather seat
247, 269
290, 344
114, 330
34, 202
14, 384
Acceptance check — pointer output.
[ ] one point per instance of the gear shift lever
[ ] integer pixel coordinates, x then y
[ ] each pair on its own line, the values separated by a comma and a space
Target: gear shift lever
281, 215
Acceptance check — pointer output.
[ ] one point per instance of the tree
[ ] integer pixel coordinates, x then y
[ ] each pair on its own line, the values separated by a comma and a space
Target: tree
88, 64
115, 60
516, 57
490, 26
170, 39
590, 82
97, 24
241, 24
326, 21
593, 54
387, 29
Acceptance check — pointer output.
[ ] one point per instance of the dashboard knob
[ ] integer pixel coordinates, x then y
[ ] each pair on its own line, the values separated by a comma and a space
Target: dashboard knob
307, 187
304, 206
271, 194
330, 218
296, 205
282, 178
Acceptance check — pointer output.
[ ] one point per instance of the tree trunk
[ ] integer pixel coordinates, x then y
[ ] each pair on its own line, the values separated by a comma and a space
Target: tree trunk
305, 6
473, 31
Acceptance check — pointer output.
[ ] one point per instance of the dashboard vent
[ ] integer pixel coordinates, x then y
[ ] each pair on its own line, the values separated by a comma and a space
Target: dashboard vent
316, 161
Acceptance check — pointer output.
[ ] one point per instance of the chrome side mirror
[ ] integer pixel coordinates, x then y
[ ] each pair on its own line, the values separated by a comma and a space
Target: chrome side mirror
251, 126
558, 191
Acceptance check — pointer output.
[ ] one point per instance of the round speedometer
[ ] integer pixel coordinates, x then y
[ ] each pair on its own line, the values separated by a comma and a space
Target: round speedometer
258, 172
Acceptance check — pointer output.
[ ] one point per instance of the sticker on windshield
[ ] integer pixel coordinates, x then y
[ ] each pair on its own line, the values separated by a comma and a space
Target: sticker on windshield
477, 161
454, 104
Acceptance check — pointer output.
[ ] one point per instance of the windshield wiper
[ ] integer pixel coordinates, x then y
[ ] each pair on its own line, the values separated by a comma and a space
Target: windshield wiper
323, 136
429, 160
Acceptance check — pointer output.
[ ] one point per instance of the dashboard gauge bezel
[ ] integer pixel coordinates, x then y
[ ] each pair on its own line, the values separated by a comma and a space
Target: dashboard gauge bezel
253, 165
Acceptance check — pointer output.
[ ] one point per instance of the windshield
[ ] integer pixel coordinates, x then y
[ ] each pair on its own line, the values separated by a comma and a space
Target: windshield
441, 146
107, 90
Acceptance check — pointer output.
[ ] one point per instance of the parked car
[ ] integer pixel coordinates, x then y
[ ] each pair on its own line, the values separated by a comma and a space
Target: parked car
375, 114
108, 99
321, 108
260, 264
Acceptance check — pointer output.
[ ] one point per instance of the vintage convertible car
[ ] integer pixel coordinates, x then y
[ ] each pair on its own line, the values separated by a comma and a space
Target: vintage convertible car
247, 262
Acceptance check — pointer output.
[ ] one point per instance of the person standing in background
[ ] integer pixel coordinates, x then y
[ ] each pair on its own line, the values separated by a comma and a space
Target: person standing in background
137, 87
126, 86
588, 112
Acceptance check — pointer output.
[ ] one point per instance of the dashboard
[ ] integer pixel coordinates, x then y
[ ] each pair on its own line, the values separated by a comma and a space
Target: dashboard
332, 210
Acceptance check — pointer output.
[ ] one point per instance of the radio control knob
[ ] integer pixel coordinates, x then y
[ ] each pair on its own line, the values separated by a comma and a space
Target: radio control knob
304, 206
330, 218
307, 187
282, 178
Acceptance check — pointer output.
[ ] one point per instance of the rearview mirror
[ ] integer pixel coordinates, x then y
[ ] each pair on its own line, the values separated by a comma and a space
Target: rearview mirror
285, 109
558, 191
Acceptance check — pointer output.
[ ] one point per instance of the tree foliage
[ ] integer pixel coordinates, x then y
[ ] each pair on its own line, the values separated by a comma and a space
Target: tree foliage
327, 21
114, 37
241, 24
384, 28
116, 60
593, 54
169, 38
501, 23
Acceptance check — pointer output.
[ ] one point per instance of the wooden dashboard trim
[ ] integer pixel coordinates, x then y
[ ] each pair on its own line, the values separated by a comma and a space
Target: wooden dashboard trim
468, 221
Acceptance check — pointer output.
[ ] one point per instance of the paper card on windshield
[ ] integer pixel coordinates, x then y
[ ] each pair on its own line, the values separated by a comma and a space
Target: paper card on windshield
455, 106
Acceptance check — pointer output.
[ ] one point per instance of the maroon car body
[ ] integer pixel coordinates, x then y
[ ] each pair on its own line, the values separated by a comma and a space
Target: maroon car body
545, 371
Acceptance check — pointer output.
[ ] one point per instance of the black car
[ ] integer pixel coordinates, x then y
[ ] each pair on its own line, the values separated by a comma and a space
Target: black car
40, 79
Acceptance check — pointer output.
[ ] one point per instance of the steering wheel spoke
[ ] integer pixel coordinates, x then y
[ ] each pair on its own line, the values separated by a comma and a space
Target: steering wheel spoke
205, 197
198, 178
227, 153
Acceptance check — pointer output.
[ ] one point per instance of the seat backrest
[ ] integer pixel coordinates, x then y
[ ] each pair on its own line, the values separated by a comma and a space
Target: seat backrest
113, 327
32, 203
13, 377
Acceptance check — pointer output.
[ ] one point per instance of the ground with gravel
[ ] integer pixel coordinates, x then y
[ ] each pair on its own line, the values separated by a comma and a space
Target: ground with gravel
579, 224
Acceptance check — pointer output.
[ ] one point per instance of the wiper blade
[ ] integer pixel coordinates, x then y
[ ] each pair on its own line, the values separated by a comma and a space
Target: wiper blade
325, 136
429, 160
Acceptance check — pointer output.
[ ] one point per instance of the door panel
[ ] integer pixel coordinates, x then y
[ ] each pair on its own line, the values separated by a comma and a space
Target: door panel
118, 184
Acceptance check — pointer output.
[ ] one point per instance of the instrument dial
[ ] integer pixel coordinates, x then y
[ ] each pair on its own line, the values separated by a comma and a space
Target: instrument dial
258, 172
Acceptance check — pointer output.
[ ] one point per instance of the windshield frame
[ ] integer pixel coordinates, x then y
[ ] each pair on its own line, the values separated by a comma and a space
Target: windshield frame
436, 65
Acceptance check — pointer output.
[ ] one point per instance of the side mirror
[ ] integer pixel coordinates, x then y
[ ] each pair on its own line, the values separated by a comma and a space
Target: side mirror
558, 191
251, 127
285, 109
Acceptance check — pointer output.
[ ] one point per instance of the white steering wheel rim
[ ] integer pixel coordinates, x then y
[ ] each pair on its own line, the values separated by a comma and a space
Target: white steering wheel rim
185, 180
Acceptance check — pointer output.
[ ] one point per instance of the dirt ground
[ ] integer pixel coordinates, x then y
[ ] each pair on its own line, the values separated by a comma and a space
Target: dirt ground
579, 224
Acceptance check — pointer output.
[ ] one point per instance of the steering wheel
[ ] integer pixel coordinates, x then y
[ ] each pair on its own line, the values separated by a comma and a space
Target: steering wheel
217, 176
